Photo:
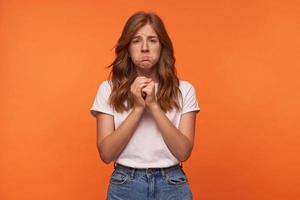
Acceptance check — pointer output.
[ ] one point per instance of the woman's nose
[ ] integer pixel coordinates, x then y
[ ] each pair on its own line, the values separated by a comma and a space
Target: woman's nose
144, 46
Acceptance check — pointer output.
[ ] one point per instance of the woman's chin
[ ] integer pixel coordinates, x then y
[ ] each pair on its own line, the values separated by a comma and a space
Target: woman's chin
145, 66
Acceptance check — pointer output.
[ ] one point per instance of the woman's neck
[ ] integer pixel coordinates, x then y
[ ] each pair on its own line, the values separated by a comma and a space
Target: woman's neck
149, 74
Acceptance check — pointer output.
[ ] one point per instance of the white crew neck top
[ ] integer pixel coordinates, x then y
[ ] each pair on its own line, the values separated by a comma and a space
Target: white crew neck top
146, 148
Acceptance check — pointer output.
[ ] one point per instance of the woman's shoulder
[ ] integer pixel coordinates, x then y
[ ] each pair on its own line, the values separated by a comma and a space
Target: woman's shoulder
105, 87
107, 84
184, 84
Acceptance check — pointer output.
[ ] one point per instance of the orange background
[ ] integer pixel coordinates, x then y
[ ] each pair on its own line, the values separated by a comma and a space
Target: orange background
241, 56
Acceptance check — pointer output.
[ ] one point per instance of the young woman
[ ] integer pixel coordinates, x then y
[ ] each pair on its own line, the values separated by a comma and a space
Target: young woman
145, 116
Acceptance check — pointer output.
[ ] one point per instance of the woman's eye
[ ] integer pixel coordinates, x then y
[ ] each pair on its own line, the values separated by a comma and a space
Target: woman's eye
136, 41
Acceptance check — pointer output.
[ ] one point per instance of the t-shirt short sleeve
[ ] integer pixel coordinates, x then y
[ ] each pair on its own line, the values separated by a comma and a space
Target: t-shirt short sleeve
190, 100
101, 102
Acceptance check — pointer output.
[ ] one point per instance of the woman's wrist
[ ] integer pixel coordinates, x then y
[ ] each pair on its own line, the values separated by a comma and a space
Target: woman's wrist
138, 109
153, 106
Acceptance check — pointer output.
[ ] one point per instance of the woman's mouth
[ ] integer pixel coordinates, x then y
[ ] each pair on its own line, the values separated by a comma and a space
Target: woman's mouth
145, 59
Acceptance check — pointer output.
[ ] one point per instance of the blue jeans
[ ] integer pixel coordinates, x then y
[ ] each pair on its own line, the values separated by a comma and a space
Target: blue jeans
148, 184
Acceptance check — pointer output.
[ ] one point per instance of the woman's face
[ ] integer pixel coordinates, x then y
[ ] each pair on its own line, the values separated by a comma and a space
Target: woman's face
144, 48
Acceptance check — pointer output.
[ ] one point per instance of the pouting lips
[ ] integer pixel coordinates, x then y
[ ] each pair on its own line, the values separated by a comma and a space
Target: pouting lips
145, 59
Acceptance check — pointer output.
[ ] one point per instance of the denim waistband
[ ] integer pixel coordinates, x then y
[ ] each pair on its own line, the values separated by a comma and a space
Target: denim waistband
131, 171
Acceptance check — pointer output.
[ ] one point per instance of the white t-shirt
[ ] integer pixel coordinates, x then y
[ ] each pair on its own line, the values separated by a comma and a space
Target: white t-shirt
146, 148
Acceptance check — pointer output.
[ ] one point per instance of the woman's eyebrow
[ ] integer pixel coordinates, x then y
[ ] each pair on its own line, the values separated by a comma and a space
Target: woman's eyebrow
152, 36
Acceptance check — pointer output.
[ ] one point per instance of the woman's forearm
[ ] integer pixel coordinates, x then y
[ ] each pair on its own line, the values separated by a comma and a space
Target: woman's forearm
113, 144
178, 143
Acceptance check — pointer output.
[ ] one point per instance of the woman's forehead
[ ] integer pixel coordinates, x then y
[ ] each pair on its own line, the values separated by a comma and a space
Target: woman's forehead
146, 31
